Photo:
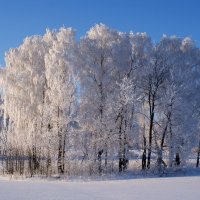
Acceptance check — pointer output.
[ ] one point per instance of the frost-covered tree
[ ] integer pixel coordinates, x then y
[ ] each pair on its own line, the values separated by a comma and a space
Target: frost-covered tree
88, 107
61, 88
97, 50
23, 83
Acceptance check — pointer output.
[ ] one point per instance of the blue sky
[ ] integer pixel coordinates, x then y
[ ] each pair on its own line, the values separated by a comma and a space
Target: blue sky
21, 18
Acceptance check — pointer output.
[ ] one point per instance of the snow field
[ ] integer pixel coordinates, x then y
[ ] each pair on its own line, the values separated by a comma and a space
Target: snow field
179, 188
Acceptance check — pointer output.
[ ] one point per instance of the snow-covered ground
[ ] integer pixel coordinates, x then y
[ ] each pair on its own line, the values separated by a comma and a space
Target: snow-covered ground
179, 188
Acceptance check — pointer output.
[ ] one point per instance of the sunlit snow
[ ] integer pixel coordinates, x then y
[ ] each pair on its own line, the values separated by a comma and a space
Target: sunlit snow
181, 188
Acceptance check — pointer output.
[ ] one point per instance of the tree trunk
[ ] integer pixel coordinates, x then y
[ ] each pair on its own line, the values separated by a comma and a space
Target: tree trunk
60, 146
198, 155
100, 152
120, 145
60, 166
177, 159
150, 140
171, 153
63, 152
151, 102
106, 155
144, 155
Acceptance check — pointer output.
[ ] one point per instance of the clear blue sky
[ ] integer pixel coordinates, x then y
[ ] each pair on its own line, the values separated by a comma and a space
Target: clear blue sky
21, 18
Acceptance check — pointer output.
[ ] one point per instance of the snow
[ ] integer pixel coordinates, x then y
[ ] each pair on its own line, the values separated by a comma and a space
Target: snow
178, 188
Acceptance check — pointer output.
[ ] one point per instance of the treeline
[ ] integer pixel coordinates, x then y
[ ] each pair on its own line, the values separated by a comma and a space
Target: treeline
93, 106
